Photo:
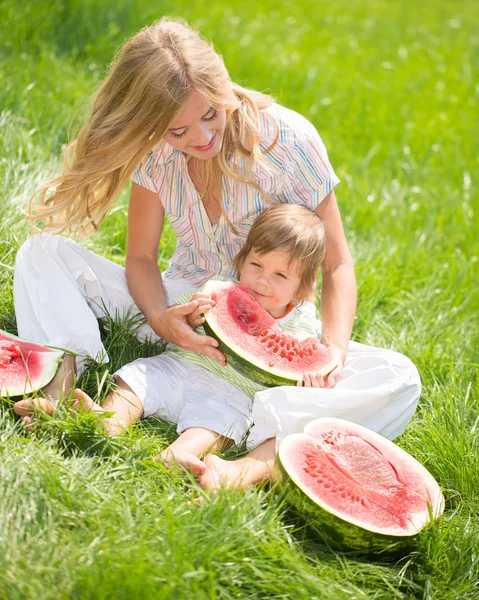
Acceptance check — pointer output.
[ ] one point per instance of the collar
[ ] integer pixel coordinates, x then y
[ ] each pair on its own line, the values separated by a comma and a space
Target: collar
288, 310
164, 153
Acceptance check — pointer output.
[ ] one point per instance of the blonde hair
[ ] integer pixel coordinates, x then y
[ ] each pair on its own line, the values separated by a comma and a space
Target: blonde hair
293, 229
143, 94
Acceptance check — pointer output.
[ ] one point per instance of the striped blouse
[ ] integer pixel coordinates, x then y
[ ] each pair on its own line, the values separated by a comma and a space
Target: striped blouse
297, 170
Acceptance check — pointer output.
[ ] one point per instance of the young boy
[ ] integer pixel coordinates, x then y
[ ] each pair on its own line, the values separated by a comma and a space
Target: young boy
210, 403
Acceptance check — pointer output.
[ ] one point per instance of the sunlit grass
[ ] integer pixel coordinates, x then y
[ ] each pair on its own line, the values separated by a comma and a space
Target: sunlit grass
392, 88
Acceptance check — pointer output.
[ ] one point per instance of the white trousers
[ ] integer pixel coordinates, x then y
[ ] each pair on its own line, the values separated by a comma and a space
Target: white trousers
61, 289
189, 395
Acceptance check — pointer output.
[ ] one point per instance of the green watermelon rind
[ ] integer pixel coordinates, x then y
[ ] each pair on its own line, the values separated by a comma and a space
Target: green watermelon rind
338, 531
51, 363
245, 366
340, 534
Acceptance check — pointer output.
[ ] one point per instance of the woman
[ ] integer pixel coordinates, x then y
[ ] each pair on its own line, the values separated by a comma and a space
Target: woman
212, 156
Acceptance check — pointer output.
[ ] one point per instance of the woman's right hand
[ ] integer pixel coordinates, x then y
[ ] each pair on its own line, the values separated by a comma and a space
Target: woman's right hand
171, 324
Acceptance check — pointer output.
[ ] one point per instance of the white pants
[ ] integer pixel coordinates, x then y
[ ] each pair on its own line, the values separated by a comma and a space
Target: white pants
61, 289
181, 392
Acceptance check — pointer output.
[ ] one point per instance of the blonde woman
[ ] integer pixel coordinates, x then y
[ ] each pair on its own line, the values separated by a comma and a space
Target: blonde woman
211, 156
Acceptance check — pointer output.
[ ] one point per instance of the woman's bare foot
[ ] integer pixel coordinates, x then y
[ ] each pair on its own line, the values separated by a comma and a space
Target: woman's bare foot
185, 459
26, 409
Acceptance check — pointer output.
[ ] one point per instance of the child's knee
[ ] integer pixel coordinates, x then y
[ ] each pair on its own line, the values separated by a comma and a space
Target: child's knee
122, 385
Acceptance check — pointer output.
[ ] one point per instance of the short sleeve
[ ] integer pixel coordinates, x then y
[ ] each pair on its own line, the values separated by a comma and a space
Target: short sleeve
151, 171
146, 173
310, 176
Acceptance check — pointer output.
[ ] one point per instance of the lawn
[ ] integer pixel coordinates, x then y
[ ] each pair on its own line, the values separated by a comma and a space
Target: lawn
392, 88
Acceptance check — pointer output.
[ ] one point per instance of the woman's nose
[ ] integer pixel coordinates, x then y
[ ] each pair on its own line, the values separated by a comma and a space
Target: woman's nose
202, 136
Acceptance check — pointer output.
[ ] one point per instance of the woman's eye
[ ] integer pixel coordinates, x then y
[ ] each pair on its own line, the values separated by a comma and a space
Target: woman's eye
213, 116
178, 135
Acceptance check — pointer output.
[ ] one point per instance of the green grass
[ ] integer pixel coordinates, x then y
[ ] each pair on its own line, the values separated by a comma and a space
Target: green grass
392, 88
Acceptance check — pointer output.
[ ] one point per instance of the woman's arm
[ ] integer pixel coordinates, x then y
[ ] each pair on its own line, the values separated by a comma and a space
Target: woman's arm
338, 293
145, 226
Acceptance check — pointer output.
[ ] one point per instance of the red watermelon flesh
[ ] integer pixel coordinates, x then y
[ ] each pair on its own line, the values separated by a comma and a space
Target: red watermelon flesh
25, 367
362, 479
255, 344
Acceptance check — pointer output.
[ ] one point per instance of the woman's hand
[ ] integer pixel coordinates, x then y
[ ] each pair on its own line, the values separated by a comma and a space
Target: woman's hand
205, 303
172, 325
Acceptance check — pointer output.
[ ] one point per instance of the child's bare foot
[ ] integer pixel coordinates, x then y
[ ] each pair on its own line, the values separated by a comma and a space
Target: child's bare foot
221, 473
254, 468
186, 459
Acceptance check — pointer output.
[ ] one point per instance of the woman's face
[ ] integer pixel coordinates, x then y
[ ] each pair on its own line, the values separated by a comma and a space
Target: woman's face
199, 128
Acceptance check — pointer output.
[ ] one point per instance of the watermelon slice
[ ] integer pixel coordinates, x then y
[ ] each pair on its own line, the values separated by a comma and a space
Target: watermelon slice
359, 489
253, 342
25, 367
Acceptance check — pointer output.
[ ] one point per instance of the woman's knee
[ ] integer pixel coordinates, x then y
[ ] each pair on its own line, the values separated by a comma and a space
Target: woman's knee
409, 372
39, 243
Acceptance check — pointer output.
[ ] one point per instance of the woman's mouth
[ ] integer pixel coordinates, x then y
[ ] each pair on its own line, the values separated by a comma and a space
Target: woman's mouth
208, 146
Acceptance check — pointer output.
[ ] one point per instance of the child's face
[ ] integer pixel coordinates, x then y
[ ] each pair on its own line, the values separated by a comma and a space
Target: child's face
271, 278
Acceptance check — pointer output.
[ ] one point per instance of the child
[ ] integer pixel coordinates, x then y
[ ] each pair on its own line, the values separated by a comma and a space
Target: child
210, 403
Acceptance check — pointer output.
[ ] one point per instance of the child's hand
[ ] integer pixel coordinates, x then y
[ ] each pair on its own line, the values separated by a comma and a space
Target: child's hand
205, 303
311, 380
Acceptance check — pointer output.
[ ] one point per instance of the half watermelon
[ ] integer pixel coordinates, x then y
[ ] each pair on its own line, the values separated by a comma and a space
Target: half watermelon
359, 489
254, 343
25, 367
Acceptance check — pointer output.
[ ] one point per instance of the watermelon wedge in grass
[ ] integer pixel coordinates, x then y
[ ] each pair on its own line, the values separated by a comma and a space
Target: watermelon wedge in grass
254, 343
360, 490
25, 367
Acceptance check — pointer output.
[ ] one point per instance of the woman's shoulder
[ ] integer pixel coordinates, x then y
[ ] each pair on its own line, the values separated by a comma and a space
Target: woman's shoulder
148, 172
293, 127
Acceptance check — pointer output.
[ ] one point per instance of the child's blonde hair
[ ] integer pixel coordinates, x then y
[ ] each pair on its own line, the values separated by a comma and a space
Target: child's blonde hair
293, 229
143, 94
